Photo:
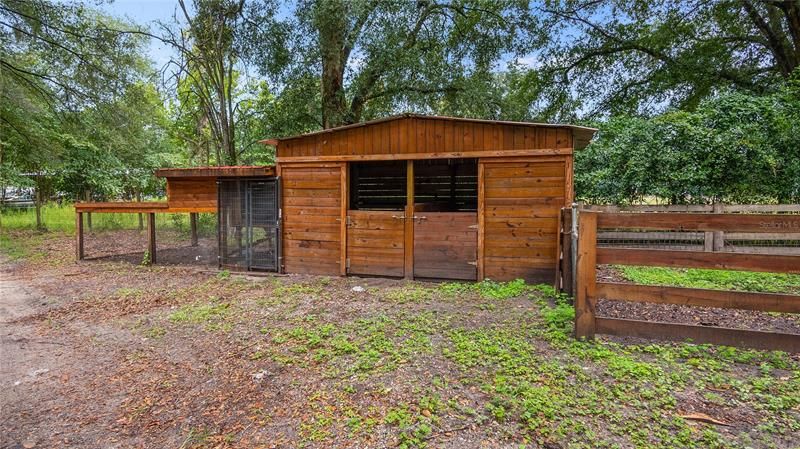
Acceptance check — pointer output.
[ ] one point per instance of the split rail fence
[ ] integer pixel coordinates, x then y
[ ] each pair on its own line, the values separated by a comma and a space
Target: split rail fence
588, 290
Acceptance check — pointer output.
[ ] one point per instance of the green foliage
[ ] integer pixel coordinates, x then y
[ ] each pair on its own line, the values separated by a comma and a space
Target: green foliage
713, 279
638, 57
487, 288
735, 148
212, 315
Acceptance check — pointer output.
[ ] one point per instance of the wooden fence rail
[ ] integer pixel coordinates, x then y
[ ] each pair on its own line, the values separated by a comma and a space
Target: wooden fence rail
588, 290
719, 241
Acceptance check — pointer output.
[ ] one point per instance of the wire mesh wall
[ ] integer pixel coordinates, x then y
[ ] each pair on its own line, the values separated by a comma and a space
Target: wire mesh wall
249, 230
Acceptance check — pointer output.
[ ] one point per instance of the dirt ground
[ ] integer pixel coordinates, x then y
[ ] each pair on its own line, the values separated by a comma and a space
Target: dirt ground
109, 353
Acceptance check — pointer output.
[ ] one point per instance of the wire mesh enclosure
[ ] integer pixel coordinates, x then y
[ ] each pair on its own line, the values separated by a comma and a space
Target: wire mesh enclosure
249, 224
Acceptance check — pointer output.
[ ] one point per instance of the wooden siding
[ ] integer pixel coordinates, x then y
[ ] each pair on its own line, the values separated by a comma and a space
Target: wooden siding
192, 194
312, 225
417, 137
521, 200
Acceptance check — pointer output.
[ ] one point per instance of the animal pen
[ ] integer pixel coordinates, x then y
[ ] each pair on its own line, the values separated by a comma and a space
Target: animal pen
408, 196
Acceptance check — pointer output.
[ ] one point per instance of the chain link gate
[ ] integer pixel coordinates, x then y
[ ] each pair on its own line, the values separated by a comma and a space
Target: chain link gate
249, 224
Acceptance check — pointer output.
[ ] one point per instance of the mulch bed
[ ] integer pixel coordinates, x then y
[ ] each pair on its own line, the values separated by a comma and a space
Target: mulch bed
701, 316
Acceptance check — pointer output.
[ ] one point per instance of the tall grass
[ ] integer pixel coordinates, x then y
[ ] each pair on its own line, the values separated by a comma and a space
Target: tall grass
61, 217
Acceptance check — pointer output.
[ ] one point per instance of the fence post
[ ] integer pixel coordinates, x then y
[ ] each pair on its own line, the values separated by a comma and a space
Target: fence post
585, 295
565, 269
719, 236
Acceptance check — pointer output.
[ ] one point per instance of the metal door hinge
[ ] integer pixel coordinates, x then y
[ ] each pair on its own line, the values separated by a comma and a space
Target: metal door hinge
475, 226
473, 263
347, 263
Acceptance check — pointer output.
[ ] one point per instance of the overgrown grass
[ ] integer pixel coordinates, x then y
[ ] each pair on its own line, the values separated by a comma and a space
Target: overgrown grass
61, 217
713, 279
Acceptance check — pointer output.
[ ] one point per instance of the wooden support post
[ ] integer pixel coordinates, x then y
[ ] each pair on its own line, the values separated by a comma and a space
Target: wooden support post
409, 222
585, 296
345, 200
719, 236
481, 221
193, 226
151, 237
565, 265
79, 235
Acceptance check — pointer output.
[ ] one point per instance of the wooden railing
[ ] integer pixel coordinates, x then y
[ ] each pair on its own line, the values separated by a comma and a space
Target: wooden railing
588, 290
718, 241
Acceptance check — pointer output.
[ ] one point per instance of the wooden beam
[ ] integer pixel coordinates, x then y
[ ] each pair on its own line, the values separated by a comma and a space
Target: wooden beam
409, 222
151, 237
213, 172
79, 236
699, 334
481, 220
412, 156
770, 302
702, 222
193, 226
696, 259
345, 199
585, 297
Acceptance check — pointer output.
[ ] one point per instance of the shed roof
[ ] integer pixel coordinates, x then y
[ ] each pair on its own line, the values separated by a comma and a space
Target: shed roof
221, 171
582, 134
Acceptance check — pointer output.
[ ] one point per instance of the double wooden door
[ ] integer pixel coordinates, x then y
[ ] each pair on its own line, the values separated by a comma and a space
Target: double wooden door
435, 245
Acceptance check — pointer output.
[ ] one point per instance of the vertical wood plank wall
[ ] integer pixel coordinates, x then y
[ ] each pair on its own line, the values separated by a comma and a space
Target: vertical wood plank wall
412, 135
521, 202
312, 211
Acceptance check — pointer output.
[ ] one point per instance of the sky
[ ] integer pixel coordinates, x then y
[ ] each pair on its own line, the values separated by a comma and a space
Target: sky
146, 12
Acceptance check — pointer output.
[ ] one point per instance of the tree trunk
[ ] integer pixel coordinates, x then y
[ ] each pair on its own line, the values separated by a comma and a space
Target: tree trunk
332, 25
37, 204
141, 217
88, 197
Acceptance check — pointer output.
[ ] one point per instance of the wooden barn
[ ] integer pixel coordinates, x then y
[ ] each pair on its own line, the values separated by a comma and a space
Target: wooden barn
409, 196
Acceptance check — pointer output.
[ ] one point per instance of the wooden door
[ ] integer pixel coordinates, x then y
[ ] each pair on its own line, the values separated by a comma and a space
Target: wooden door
446, 245
375, 243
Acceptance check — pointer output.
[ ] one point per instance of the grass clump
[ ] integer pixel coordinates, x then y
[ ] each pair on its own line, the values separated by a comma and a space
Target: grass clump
411, 293
212, 315
487, 289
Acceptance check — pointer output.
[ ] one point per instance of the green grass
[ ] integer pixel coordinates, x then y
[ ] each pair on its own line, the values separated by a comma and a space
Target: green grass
713, 279
61, 217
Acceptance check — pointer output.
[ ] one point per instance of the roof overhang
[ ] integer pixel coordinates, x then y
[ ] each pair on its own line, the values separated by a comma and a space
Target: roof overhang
216, 172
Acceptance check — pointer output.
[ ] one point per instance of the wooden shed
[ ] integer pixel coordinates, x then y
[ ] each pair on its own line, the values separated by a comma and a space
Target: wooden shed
427, 197
408, 196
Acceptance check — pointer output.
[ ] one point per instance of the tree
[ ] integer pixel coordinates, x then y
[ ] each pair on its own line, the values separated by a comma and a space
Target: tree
69, 78
736, 147
369, 57
609, 57
205, 72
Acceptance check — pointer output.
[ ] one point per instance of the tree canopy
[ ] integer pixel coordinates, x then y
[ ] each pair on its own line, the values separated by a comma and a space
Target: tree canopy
696, 100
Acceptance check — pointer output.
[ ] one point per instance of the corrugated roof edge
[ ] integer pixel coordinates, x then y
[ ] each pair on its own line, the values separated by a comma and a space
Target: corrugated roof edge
584, 130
